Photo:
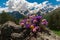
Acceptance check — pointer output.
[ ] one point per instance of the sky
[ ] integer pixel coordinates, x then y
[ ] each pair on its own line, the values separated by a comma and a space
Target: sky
54, 2
51, 1
26, 4
2, 3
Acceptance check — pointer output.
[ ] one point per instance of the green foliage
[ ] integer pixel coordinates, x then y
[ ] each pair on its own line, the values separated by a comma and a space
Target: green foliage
56, 32
4, 17
53, 20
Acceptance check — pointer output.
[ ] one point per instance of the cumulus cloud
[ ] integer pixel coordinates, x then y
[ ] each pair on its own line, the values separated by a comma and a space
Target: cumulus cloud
23, 5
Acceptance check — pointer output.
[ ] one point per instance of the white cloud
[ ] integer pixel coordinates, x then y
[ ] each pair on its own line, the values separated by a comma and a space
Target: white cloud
57, 0
5, 9
23, 5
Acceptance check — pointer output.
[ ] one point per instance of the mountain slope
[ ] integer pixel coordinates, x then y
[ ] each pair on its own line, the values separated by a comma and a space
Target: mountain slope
16, 15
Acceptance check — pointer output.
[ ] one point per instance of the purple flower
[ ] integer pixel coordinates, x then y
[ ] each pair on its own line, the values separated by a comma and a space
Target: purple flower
44, 23
21, 24
23, 21
34, 30
38, 17
37, 27
27, 25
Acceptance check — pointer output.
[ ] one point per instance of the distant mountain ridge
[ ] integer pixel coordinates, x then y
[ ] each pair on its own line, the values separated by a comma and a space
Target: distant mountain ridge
16, 15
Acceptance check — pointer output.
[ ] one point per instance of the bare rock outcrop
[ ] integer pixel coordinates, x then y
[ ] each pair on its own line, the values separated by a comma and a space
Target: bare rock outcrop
14, 32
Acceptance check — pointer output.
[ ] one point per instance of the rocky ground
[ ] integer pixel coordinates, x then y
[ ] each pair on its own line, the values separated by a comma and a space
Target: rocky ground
11, 31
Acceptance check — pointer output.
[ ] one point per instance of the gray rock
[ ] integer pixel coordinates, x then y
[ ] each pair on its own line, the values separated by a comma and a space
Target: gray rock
18, 34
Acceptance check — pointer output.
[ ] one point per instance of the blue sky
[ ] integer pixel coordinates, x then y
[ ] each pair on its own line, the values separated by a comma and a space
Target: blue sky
54, 2
1, 3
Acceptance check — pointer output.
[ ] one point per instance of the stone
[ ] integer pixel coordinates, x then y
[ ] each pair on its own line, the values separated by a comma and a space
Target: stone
18, 33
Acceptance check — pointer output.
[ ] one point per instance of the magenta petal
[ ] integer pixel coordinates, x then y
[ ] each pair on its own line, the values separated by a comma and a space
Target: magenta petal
39, 17
27, 25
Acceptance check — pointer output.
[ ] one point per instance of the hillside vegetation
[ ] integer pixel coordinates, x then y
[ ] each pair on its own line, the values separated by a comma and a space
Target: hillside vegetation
53, 18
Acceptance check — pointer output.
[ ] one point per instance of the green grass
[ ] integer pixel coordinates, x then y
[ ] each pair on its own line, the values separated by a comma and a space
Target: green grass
56, 32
